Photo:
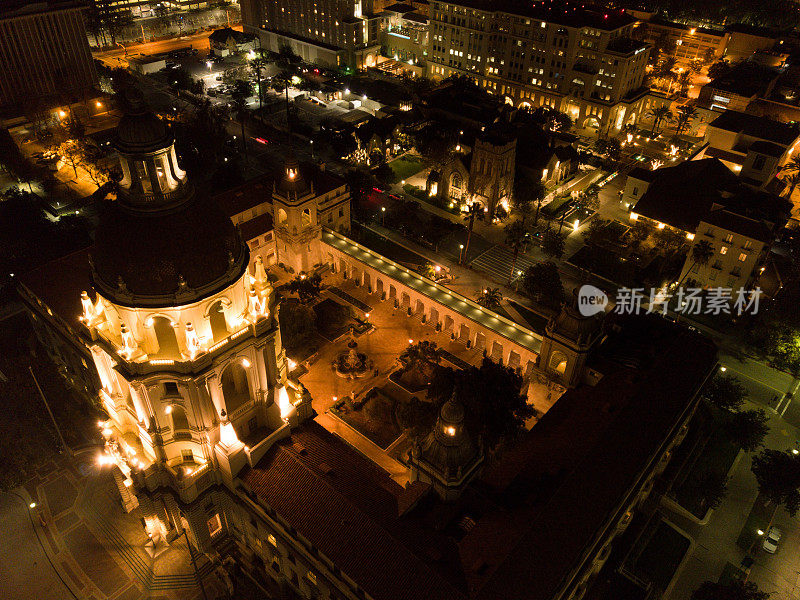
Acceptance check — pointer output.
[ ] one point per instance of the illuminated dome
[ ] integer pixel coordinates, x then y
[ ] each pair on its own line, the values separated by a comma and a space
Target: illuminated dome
161, 243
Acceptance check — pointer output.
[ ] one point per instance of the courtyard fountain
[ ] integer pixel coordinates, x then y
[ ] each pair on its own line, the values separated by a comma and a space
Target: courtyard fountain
351, 363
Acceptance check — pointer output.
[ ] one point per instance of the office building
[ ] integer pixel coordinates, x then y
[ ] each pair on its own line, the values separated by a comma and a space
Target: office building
583, 62
333, 33
44, 56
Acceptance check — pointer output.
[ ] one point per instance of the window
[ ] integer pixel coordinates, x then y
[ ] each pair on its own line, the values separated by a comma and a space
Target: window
341, 212
271, 539
635, 191
743, 257
723, 250
214, 525
748, 244
312, 577
758, 163
729, 238
187, 455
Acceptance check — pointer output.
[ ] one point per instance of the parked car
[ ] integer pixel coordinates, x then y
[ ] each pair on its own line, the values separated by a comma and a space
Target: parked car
771, 541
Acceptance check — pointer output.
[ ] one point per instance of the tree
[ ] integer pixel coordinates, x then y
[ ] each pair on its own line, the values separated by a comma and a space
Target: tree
696, 66
609, 147
296, 323
719, 69
241, 92
516, 235
552, 243
684, 79
686, 114
98, 174
490, 297
528, 190
472, 212
306, 287
495, 407
659, 114
181, 79
724, 392
420, 360
701, 253
598, 233
747, 429
543, 282
791, 182
73, 154
778, 477
731, 590
709, 488
288, 64
416, 416
257, 65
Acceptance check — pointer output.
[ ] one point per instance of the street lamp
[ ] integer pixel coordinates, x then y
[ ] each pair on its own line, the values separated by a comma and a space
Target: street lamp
383, 216
461, 253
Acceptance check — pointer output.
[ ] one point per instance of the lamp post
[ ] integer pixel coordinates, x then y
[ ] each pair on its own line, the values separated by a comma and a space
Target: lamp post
383, 216
460, 253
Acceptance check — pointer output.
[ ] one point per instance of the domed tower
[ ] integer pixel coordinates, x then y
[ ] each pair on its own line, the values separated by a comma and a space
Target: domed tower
297, 227
569, 336
449, 458
186, 340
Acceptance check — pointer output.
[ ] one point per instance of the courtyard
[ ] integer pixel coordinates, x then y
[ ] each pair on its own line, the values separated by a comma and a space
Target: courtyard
363, 411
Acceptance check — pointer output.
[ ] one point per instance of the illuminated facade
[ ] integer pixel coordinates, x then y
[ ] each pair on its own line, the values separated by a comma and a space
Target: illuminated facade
182, 331
585, 63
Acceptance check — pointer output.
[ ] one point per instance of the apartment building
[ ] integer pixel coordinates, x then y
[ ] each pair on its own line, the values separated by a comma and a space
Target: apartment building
44, 56
740, 245
582, 62
333, 33
689, 42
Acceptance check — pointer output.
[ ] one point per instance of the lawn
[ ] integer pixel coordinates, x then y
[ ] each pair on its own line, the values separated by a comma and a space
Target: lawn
406, 166
374, 417
662, 555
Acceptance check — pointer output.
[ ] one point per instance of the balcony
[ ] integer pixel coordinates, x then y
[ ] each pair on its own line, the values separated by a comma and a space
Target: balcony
259, 441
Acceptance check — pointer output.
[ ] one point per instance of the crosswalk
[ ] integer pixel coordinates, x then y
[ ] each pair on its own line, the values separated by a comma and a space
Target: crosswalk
496, 262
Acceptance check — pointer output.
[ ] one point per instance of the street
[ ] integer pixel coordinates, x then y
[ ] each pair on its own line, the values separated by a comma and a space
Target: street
24, 564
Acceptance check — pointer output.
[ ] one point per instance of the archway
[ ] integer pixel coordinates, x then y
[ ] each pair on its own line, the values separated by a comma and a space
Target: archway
631, 119
591, 123
282, 216
306, 217
235, 388
525, 105
180, 422
558, 362
463, 334
497, 352
216, 318
456, 183
508, 100
165, 338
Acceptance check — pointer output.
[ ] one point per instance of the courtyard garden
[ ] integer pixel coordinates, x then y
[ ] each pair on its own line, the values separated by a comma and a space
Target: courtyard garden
406, 166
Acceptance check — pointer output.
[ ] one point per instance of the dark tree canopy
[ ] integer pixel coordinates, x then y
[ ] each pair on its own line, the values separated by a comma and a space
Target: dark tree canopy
733, 590
307, 287
542, 282
778, 476
747, 429
724, 392
495, 406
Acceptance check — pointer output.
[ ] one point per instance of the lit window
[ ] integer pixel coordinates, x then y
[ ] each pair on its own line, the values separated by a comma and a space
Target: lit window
742, 257
312, 577
214, 525
723, 250
271, 539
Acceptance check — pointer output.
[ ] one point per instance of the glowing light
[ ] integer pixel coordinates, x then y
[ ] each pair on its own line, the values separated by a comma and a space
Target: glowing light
410, 341
576, 224
227, 435
723, 369
760, 532
661, 225
284, 403
690, 236
62, 114
245, 363
634, 216
107, 432
168, 409
98, 104
292, 364
450, 430
148, 322
32, 505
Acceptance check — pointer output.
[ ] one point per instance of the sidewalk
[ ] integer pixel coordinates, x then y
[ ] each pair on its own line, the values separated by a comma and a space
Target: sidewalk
97, 549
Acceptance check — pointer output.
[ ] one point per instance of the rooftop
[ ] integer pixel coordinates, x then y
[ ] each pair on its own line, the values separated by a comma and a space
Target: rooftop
757, 127
745, 79
560, 12
683, 195
730, 221
595, 442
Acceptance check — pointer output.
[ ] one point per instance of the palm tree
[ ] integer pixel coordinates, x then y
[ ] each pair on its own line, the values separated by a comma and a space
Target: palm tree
474, 209
515, 239
287, 62
241, 92
659, 114
701, 253
793, 166
686, 114
490, 297
257, 65
629, 129
792, 181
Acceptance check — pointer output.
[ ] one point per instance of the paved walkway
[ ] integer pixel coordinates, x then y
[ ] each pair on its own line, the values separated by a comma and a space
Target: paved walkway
95, 549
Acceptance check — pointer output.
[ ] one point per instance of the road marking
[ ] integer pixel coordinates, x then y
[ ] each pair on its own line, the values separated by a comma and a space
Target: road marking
789, 396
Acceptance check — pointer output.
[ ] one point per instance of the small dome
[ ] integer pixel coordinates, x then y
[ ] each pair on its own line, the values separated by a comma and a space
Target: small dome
452, 412
140, 131
293, 183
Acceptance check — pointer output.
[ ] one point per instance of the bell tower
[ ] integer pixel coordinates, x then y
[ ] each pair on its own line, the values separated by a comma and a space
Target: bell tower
297, 227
